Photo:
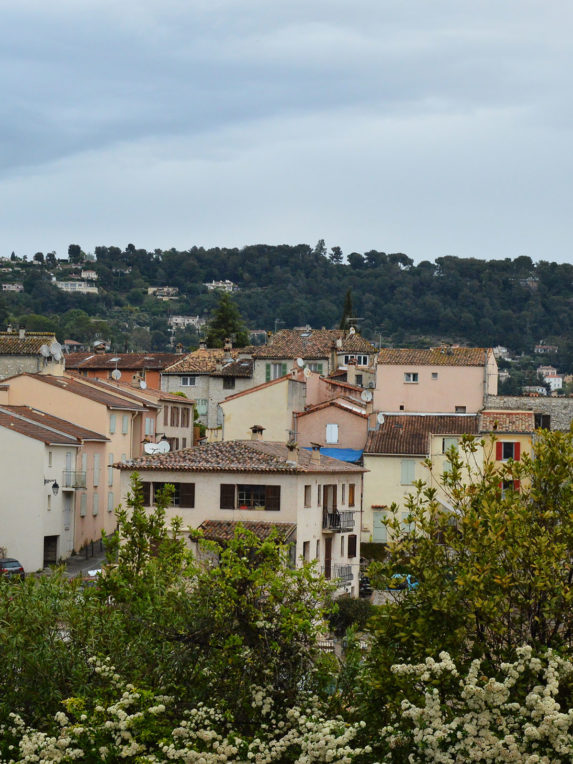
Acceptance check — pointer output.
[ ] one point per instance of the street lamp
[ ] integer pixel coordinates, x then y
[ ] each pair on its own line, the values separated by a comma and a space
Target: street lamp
55, 486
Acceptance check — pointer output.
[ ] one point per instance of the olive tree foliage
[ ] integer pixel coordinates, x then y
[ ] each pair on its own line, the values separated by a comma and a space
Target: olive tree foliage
494, 565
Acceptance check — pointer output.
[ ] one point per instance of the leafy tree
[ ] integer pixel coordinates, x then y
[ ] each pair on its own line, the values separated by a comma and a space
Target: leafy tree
39, 257
336, 255
226, 322
494, 571
75, 254
320, 248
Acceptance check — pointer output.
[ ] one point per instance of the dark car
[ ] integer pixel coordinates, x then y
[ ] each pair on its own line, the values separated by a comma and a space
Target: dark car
11, 568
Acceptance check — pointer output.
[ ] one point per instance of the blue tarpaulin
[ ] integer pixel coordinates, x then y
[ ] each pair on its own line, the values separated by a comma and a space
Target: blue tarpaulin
343, 454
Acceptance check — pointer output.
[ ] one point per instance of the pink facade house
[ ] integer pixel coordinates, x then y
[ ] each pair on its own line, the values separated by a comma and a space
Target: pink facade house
435, 380
335, 424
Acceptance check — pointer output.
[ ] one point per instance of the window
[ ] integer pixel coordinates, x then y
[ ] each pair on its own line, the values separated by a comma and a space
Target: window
83, 504
110, 470
406, 524
316, 367
332, 433
112, 423
183, 496
174, 416
125, 424
460, 409
447, 443
352, 544
407, 471
274, 371
342, 546
307, 495
343, 493
185, 417
110, 501
507, 450
188, 381
95, 506
183, 442
249, 496
146, 488
165, 416
50, 458
306, 551
317, 556
507, 486
202, 404
173, 444
359, 380
49, 502
228, 383
84, 462
542, 422
410, 377
319, 495
434, 375
149, 425
361, 360
96, 470
351, 494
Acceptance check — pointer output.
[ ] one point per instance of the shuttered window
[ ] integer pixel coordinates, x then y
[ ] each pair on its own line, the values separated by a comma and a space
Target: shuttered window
352, 545
187, 495
273, 498
146, 487
227, 496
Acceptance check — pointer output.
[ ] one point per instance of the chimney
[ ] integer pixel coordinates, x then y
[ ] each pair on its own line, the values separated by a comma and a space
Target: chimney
202, 345
292, 457
333, 357
179, 348
351, 372
227, 347
315, 453
257, 432
21, 332
9, 329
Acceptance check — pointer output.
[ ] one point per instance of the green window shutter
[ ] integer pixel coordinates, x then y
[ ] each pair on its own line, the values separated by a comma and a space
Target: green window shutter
284, 369
268, 373
319, 368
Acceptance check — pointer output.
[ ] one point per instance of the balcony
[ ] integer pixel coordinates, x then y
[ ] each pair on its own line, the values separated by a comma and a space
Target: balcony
342, 573
337, 522
72, 479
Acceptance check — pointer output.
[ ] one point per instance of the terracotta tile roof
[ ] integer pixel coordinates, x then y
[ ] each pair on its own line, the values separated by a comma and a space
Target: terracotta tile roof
205, 361
410, 434
312, 344
444, 356
237, 456
77, 387
122, 361
223, 531
47, 420
11, 344
148, 394
507, 421
346, 404
33, 430
262, 386
345, 385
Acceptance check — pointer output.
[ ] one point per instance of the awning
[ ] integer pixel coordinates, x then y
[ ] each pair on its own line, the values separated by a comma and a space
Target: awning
342, 454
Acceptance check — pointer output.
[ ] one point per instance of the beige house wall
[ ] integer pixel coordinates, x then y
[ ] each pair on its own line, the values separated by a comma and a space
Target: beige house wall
292, 509
383, 484
271, 407
29, 510
28, 391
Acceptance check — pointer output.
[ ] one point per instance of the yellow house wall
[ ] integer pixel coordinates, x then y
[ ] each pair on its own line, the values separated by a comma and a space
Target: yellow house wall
267, 407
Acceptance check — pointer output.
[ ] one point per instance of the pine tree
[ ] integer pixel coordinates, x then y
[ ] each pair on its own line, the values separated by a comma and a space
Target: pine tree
226, 322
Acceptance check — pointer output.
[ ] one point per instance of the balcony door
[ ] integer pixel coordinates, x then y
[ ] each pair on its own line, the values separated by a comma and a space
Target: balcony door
328, 557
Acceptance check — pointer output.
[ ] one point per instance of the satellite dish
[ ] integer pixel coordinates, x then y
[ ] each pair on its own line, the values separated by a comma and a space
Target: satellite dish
339, 343
45, 351
366, 396
142, 384
151, 448
299, 363
307, 372
55, 348
116, 374
163, 447
380, 418
352, 330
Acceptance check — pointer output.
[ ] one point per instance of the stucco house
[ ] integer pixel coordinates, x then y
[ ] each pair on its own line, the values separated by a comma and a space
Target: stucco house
131, 367
511, 437
41, 476
439, 380
21, 351
338, 424
322, 351
219, 485
394, 457
208, 376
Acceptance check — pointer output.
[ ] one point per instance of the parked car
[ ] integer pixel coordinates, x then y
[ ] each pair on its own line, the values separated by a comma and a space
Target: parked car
402, 581
11, 568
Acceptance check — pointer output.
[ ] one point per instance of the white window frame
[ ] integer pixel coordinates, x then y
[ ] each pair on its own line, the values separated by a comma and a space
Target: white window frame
189, 381
411, 377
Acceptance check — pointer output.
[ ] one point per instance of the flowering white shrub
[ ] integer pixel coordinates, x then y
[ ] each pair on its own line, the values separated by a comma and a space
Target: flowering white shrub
139, 726
516, 718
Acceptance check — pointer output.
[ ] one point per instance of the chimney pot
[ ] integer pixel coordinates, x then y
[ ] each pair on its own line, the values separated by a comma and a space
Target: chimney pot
292, 457
315, 453
257, 432
21, 332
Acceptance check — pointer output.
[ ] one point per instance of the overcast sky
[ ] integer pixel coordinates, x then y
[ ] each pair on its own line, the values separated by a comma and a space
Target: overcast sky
429, 127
